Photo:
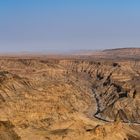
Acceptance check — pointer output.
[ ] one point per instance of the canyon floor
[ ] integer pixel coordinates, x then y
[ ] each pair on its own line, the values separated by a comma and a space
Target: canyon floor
79, 97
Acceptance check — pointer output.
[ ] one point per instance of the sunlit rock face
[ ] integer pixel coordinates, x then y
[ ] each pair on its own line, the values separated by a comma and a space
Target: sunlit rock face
68, 98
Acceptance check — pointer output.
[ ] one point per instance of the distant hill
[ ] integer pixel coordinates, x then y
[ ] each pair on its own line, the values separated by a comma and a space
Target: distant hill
113, 53
119, 53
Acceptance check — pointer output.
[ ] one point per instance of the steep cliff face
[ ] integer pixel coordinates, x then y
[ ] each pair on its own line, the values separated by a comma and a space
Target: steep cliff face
70, 98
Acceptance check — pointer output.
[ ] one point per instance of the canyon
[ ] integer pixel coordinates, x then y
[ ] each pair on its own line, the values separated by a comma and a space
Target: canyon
83, 96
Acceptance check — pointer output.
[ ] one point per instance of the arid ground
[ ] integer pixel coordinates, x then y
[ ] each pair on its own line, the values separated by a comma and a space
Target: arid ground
91, 96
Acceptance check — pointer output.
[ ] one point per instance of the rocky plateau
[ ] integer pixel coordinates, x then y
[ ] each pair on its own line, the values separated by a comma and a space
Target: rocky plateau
79, 97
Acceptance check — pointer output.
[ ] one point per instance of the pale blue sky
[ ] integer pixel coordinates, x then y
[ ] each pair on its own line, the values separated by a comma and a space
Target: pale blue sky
63, 25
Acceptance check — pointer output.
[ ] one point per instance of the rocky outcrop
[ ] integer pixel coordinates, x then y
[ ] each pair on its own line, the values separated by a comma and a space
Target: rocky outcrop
7, 132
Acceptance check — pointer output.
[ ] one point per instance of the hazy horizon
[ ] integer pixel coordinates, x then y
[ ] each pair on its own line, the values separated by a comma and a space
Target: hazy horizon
63, 26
